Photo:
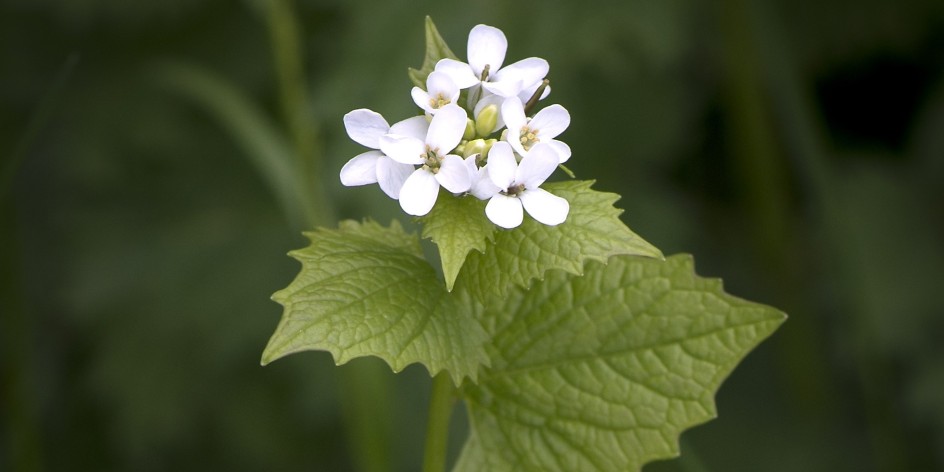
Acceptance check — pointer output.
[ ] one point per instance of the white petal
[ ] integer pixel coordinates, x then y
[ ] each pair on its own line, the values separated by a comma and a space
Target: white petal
421, 98
487, 45
454, 174
366, 127
460, 72
527, 71
512, 111
501, 165
415, 127
528, 92
361, 170
419, 192
504, 211
544, 206
439, 83
403, 149
446, 129
537, 166
562, 149
506, 88
482, 186
391, 175
550, 122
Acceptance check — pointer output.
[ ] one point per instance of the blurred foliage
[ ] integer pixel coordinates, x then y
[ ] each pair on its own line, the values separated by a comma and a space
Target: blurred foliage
140, 245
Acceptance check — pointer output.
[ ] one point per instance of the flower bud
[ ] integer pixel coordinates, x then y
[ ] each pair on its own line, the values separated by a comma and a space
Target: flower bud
486, 121
469, 130
473, 147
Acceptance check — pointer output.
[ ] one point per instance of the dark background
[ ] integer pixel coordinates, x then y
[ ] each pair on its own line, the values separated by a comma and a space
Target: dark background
791, 146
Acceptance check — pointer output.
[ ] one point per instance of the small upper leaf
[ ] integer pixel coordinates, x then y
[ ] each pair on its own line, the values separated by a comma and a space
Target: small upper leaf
592, 231
365, 290
457, 226
436, 49
603, 372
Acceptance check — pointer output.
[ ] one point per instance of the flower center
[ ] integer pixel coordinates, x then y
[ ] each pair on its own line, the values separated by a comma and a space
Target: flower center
514, 190
529, 137
438, 101
431, 160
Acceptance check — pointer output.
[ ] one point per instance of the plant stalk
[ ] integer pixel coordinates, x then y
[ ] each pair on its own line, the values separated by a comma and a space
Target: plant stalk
437, 426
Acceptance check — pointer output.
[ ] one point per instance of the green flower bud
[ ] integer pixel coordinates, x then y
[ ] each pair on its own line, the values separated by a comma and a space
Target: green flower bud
473, 147
469, 130
486, 121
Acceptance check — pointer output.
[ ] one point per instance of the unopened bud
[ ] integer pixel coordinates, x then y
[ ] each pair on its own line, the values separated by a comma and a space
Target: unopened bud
473, 147
469, 130
486, 121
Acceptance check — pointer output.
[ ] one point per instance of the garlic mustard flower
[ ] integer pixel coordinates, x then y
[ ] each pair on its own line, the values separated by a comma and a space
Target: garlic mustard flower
486, 52
523, 132
519, 184
432, 153
440, 91
366, 127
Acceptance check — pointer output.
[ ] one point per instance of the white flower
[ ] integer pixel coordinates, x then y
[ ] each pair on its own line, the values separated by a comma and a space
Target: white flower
482, 186
518, 187
523, 133
486, 52
366, 127
440, 91
439, 168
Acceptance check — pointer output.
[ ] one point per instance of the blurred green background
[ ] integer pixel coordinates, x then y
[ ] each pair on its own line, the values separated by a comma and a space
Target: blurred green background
795, 147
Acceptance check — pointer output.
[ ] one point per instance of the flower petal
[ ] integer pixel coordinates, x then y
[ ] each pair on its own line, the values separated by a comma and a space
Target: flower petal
454, 174
528, 92
527, 71
550, 122
506, 88
504, 211
537, 166
512, 112
439, 83
415, 127
562, 149
544, 206
419, 192
446, 129
421, 98
366, 127
482, 186
487, 46
403, 149
460, 72
361, 169
501, 165
391, 175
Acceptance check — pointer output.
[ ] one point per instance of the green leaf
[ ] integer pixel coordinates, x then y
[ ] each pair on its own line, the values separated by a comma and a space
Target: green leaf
603, 372
593, 231
365, 290
436, 49
457, 226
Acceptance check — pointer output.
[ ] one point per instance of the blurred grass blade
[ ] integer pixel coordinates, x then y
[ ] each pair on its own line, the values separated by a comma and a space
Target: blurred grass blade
37, 121
263, 143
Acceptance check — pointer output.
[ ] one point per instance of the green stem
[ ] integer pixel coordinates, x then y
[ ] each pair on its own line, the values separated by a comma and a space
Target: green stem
437, 427
293, 96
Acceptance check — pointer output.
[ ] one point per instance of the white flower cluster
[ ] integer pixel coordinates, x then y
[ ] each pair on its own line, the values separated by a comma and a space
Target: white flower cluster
446, 148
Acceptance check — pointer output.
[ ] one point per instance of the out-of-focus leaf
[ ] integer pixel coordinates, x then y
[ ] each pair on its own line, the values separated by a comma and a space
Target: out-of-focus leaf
265, 146
436, 49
